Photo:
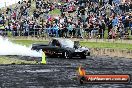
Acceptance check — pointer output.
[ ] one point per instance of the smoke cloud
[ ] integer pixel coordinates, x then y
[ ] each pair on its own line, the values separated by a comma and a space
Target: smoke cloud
9, 48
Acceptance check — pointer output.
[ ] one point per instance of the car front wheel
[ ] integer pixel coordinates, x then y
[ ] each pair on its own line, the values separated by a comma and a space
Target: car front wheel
88, 54
83, 56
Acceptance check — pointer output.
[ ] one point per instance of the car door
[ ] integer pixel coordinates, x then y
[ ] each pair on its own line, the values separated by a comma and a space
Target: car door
53, 48
56, 46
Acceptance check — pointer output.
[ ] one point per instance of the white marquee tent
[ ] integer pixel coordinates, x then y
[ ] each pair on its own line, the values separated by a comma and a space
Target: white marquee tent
4, 3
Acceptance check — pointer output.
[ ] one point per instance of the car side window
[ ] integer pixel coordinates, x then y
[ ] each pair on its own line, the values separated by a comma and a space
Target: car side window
55, 43
58, 44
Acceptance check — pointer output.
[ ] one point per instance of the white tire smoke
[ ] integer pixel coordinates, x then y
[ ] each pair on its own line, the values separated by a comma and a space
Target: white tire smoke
9, 48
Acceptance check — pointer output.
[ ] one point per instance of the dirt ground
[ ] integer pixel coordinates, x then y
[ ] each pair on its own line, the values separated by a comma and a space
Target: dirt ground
61, 73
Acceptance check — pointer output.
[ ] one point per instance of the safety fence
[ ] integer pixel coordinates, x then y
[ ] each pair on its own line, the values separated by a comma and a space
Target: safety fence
75, 33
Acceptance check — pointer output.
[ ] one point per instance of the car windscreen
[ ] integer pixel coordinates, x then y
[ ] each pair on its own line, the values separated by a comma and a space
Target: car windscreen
67, 43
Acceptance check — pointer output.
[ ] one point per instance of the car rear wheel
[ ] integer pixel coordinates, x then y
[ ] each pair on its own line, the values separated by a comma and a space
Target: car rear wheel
36, 48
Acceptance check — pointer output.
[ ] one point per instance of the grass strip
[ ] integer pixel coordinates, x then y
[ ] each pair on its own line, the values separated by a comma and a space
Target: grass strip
82, 43
8, 60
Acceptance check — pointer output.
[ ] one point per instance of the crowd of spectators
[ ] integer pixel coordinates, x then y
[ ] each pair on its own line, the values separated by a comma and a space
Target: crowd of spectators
78, 18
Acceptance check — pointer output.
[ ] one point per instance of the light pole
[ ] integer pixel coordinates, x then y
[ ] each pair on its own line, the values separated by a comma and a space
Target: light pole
5, 4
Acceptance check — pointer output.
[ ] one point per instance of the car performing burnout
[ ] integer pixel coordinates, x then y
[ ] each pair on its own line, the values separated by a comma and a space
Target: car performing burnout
64, 48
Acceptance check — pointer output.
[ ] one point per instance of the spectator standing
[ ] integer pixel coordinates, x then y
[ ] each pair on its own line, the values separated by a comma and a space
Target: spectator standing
56, 28
70, 28
114, 25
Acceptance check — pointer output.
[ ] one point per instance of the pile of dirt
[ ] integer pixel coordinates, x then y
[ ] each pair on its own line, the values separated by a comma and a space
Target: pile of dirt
112, 52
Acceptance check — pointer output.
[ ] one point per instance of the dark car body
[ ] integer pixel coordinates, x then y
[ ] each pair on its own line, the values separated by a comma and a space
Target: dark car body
65, 48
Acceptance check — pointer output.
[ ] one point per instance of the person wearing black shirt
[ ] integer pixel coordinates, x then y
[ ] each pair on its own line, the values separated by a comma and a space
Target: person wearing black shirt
110, 2
36, 29
110, 29
31, 27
